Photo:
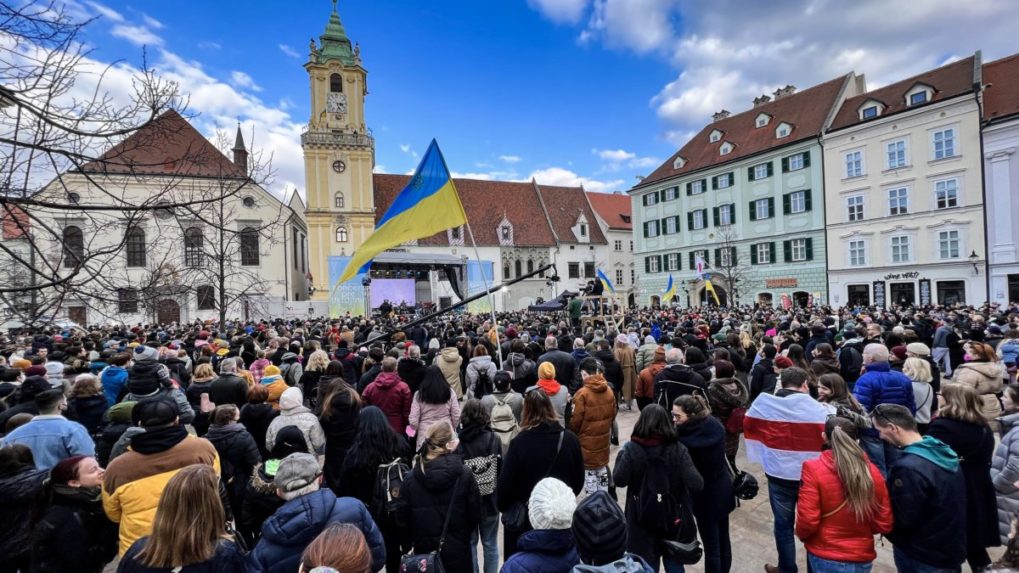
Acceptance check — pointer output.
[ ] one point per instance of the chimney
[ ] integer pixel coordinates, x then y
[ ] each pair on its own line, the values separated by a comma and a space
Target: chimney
763, 99
786, 91
720, 115
240, 152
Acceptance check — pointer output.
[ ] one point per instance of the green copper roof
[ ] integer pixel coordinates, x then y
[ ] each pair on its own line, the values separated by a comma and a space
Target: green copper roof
335, 45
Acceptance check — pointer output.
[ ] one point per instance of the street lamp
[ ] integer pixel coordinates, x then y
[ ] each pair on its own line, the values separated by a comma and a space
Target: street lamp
973, 258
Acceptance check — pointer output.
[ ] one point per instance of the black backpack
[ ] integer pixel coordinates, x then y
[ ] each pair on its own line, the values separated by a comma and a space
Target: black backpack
656, 505
483, 386
386, 499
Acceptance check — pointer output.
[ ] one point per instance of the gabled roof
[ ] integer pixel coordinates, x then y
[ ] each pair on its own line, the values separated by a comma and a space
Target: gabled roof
564, 206
1001, 96
168, 145
806, 111
612, 208
486, 202
948, 81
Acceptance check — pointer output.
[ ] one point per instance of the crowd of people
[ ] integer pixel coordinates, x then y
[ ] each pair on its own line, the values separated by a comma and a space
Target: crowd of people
354, 445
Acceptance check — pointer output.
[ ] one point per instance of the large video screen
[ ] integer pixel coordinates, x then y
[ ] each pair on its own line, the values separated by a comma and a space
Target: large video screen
393, 290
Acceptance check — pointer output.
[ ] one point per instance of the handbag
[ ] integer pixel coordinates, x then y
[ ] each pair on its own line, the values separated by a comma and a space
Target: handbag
431, 562
515, 518
685, 547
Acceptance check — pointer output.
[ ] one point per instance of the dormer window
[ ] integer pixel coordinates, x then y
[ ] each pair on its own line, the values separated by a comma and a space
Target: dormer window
869, 112
454, 233
678, 163
726, 148
870, 109
762, 120
919, 95
583, 230
783, 130
505, 232
715, 136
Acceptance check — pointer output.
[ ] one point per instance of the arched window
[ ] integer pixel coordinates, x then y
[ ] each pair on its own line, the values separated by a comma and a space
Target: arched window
505, 271
135, 244
530, 266
341, 234
338, 200
335, 83
194, 247
518, 266
249, 247
74, 245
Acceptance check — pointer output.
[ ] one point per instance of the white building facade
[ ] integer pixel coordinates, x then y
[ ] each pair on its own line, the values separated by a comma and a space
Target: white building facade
1001, 176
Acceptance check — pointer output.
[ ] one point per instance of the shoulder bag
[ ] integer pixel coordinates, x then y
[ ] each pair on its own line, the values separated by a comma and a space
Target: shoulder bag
515, 518
432, 562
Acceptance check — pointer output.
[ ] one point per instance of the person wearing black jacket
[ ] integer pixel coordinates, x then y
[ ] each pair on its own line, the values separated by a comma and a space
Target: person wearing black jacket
25, 399
260, 499
411, 369
228, 388
238, 453
256, 416
613, 370
762, 377
20, 483
339, 418
565, 367
677, 379
542, 449
349, 363
482, 453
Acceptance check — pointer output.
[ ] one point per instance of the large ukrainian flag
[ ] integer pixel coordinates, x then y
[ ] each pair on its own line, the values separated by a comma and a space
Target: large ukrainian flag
428, 204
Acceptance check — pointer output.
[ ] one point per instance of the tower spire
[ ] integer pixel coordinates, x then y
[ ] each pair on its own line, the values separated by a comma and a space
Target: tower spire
240, 152
334, 43
239, 139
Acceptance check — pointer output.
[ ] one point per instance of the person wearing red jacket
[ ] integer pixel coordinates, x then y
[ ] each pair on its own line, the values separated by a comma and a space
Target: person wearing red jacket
391, 394
843, 503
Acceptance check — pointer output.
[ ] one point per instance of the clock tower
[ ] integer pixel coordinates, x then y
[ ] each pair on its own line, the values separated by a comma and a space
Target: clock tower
339, 153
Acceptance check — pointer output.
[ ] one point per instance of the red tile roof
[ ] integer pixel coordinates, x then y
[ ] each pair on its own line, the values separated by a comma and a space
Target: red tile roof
1001, 95
613, 208
15, 222
486, 203
167, 145
564, 206
948, 81
806, 111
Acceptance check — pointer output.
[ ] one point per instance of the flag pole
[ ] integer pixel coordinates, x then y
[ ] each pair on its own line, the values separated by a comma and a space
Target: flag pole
491, 296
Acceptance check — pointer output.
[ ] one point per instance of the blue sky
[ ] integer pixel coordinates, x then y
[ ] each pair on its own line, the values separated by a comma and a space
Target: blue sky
591, 92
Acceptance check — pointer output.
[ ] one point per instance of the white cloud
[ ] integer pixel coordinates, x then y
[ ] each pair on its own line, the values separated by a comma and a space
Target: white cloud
560, 11
379, 168
567, 178
617, 159
209, 45
406, 148
289, 51
510, 158
152, 22
614, 155
137, 35
106, 12
243, 80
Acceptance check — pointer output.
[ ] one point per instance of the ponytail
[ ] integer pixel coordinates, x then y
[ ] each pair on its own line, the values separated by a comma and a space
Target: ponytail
854, 473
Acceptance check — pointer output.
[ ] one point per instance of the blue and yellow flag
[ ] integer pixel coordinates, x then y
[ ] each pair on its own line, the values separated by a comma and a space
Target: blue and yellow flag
710, 288
670, 291
428, 204
605, 282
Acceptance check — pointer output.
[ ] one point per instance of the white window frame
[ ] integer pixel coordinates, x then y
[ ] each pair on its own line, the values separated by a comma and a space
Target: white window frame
798, 158
652, 228
619, 277
798, 250
672, 262
952, 143
849, 160
727, 178
941, 245
725, 215
850, 206
671, 226
892, 154
764, 248
671, 193
725, 149
797, 202
617, 245
760, 171
757, 209
699, 219
653, 264
904, 241
851, 249
697, 187
725, 257
762, 120
783, 130
902, 194
715, 136
653, 199
937, 191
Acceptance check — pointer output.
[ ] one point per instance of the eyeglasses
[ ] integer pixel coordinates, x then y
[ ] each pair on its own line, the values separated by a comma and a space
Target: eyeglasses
885, 420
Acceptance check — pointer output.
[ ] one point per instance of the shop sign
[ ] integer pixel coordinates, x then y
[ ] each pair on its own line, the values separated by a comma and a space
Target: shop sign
879, 293
897, 276
781, 283
925, 292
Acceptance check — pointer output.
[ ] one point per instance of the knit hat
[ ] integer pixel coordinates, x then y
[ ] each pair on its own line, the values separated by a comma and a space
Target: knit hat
291, 398
918, 348
121, 413
994, 329
55, 372
551, 505
289, 440
21, 363
37, 370
899, 352
599, 529
271, 370
33, 385
155, 412
546, 371
296, 471
783, 362
142, 352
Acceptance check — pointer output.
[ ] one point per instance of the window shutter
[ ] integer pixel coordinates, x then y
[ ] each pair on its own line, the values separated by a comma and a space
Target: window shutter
787, 206
644, 200
661, 261
771, 207
661, 226
707, 258
750, 173
691, 257
787, 251
753, 254
753, 212
732, 213
661, 195
806, 159
714, 212
810, 249
774, 253
807, 199
785, 165
718, 256
647, 265
714, 182
689, 189
689, 220
645, 225
732, 256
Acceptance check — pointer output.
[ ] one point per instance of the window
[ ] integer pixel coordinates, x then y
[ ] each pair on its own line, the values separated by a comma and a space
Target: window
854, 208
918, 98
574, 270
725, 257
869, 112
650, 199
725, 215
796, 162
583, 230
248, 202
671, 193
651, 229
783, 130
898, 201
456, 233
900, 249
762, 171
672, 262
127, 300
695, 187
135, 243
715, 136
948, 244
946, 193
530, 266
797, 202
725, 148
505, 229
698, 219
633, 276
703, 253
762, 208
944, 143
799, 249
518, 266
206, 297
653, 264
896, 152
249, 247
341, 235
506, 272
671, 224
338, 200
762, 120
589, 272
335, 83
74, 197
723, 181
854, 164
764, 254
678, 163
74, 246
857, 253
619, 276
631, 246
163, 212
617, 246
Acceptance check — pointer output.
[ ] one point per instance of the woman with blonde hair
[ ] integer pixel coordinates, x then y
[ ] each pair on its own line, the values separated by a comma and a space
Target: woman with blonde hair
87, 403
442, 503
961, 425
313, 371
201, 383
340, 547
918, 371
843, 503
189, 530
984, 373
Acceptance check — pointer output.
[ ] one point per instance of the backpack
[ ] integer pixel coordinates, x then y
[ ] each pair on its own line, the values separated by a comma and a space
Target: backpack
483, 386
485, 470
386, 501
656, 506
850, 363
503, 422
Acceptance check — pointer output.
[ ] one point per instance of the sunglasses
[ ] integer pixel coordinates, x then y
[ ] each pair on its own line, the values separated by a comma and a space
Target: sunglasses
885, 421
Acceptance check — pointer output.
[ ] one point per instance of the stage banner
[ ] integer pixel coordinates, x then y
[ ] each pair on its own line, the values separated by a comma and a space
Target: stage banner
477, 274
346, 297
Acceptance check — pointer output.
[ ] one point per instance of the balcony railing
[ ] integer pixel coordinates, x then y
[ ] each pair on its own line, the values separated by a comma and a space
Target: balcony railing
337, 139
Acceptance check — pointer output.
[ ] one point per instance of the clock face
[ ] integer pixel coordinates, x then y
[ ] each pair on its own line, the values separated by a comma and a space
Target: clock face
339, 166
336, 103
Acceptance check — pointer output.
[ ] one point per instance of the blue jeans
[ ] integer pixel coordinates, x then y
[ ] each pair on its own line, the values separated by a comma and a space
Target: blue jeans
672, 566
881, 453
783, 507
818, 565
906, 564
489, 529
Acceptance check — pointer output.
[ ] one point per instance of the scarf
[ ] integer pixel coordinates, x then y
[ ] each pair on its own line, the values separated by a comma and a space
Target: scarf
79, 494
158, 439
648, 442
551, 387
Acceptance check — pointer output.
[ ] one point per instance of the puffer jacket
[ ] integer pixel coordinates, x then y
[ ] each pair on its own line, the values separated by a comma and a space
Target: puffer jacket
646, 378
184, 410
524, 371
17, 495
594, 409
1005, 472
87, 411
725, 395
629, 563
986, 378
113, 379
449, 361
412, 372
422, 415
646, 355
882, 385
297, 522
475, 367
294, 413
543, 551
238, 456
74, 534
392, 395
1008, 351
260, 502
840, 536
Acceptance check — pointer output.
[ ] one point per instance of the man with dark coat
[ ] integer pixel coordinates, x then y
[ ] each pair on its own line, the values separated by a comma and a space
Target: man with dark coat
677, 379
229, 388
565, 367
762, 376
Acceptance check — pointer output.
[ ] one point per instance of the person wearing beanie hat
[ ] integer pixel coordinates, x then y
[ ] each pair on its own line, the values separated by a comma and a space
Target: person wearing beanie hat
115, 432
260, 499
781, 363
549, 547
144, 382
558, 393
599, 530
273, 381
897, 357
294, 413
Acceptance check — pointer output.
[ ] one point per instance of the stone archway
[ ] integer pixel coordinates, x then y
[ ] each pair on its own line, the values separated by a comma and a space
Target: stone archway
167, 311
706, 298
656, 301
